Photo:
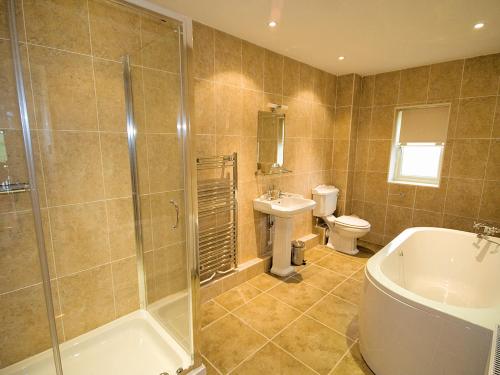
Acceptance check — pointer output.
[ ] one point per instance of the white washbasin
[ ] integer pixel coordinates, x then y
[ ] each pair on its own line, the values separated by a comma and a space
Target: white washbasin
286, 206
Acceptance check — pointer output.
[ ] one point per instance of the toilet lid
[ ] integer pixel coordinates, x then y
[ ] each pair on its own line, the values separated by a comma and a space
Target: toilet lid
352, 221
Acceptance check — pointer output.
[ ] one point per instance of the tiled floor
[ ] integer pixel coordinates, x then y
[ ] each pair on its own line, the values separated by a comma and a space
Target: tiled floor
304, 324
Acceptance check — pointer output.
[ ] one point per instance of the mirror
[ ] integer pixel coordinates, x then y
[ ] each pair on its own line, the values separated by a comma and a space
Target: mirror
270, 142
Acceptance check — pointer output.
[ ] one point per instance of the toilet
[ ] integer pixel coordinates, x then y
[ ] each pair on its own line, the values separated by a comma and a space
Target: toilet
344, 230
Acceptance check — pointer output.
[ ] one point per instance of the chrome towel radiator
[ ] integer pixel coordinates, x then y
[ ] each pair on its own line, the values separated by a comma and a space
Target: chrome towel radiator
217, 215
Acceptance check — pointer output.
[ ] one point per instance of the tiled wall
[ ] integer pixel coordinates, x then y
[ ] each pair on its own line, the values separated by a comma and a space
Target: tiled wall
235, 79
470, 183
74, 80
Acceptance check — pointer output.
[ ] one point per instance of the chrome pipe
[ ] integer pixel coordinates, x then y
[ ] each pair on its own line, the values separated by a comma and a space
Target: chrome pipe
35, 199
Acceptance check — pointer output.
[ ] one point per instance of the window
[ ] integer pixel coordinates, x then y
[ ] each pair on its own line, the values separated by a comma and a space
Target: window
418, 145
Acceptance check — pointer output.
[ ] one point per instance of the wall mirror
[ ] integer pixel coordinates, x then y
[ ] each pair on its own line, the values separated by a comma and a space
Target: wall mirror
270, 142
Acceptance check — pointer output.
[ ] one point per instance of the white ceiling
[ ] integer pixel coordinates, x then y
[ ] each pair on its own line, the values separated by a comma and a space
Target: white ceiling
373, 35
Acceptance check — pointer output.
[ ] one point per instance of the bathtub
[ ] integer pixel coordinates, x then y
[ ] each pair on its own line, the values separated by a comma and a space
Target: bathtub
431, 304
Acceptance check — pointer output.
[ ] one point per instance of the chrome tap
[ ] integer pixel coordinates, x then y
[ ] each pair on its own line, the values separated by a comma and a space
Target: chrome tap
486, 230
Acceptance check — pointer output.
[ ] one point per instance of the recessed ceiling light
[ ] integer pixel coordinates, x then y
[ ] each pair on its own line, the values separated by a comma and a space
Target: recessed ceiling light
341, 58
272, 23
479, 25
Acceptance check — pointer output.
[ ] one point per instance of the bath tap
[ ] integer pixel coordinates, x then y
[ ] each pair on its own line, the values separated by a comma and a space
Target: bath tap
487, 230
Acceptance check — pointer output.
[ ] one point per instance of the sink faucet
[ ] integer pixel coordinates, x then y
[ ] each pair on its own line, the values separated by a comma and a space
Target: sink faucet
487, 230
273, 193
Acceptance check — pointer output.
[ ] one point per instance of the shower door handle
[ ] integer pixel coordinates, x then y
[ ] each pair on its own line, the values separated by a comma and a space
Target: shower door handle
176, 206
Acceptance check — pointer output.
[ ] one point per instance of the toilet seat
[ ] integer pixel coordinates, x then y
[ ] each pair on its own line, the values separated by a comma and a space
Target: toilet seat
350, 222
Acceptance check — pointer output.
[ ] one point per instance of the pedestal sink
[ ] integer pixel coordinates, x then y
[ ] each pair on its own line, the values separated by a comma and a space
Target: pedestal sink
283, 209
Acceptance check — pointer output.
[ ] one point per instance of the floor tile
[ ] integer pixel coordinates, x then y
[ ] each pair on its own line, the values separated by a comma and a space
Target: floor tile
315, 254
264, 281
351, 290
352, 364
340, 264
272, 360
320, 278
360, 275
314, 344
227, 342
337, 314
266, 315
297, 294
210, 369
211, 311
237, 296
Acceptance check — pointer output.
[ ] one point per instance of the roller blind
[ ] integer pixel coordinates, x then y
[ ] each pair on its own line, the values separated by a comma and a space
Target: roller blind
429, 124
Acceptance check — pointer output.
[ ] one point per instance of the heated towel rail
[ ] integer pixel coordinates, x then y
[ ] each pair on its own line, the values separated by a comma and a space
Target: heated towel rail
217, 215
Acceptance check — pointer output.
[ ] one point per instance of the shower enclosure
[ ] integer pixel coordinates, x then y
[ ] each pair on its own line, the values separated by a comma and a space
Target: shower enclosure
98, 265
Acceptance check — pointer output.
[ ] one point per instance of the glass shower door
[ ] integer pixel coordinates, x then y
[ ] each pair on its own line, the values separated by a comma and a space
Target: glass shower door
24, 323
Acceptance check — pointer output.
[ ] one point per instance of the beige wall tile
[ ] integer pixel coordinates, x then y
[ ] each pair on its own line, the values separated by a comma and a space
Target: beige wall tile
382, 122
364, 122
343, 119
25, 329
164, 160
423, 218
469, 158
227, 68
493, 166
376, 187
331, 90
204, 107
475, 117
115, 31
19, 252
273, 72
378, 156
228, 109
306, 82
162, 98
80, 238
58, 23
386, 88
203, 51
490, 202
401, 195
62, 85
414, 84
116, 166
375, 214
462, 198
125, 286
319, 84
481, 76
458, 222
252, 66
367, 91
345, 90
398, 219
87, 300
291, 77
110, 95
121, 228
444, 80
340, 154
71, 160
431, 198
160, 44
252, 102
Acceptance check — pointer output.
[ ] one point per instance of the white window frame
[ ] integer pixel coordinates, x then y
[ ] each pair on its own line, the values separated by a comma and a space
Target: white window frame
395, 164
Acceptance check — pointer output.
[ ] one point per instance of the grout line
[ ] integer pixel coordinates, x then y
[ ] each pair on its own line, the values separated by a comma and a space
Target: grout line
343, 356
205, 359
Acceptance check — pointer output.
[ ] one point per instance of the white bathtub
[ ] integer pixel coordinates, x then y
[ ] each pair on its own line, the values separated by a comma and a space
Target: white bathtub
135, 344
431, 304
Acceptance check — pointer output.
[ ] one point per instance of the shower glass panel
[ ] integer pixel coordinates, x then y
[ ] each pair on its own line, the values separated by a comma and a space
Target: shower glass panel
117, 248
24, 326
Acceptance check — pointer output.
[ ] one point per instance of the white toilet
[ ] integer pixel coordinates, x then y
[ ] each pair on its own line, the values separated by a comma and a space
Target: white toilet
344, 230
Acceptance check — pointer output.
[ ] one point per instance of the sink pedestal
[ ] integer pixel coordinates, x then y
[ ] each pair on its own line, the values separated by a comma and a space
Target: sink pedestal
282, 246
